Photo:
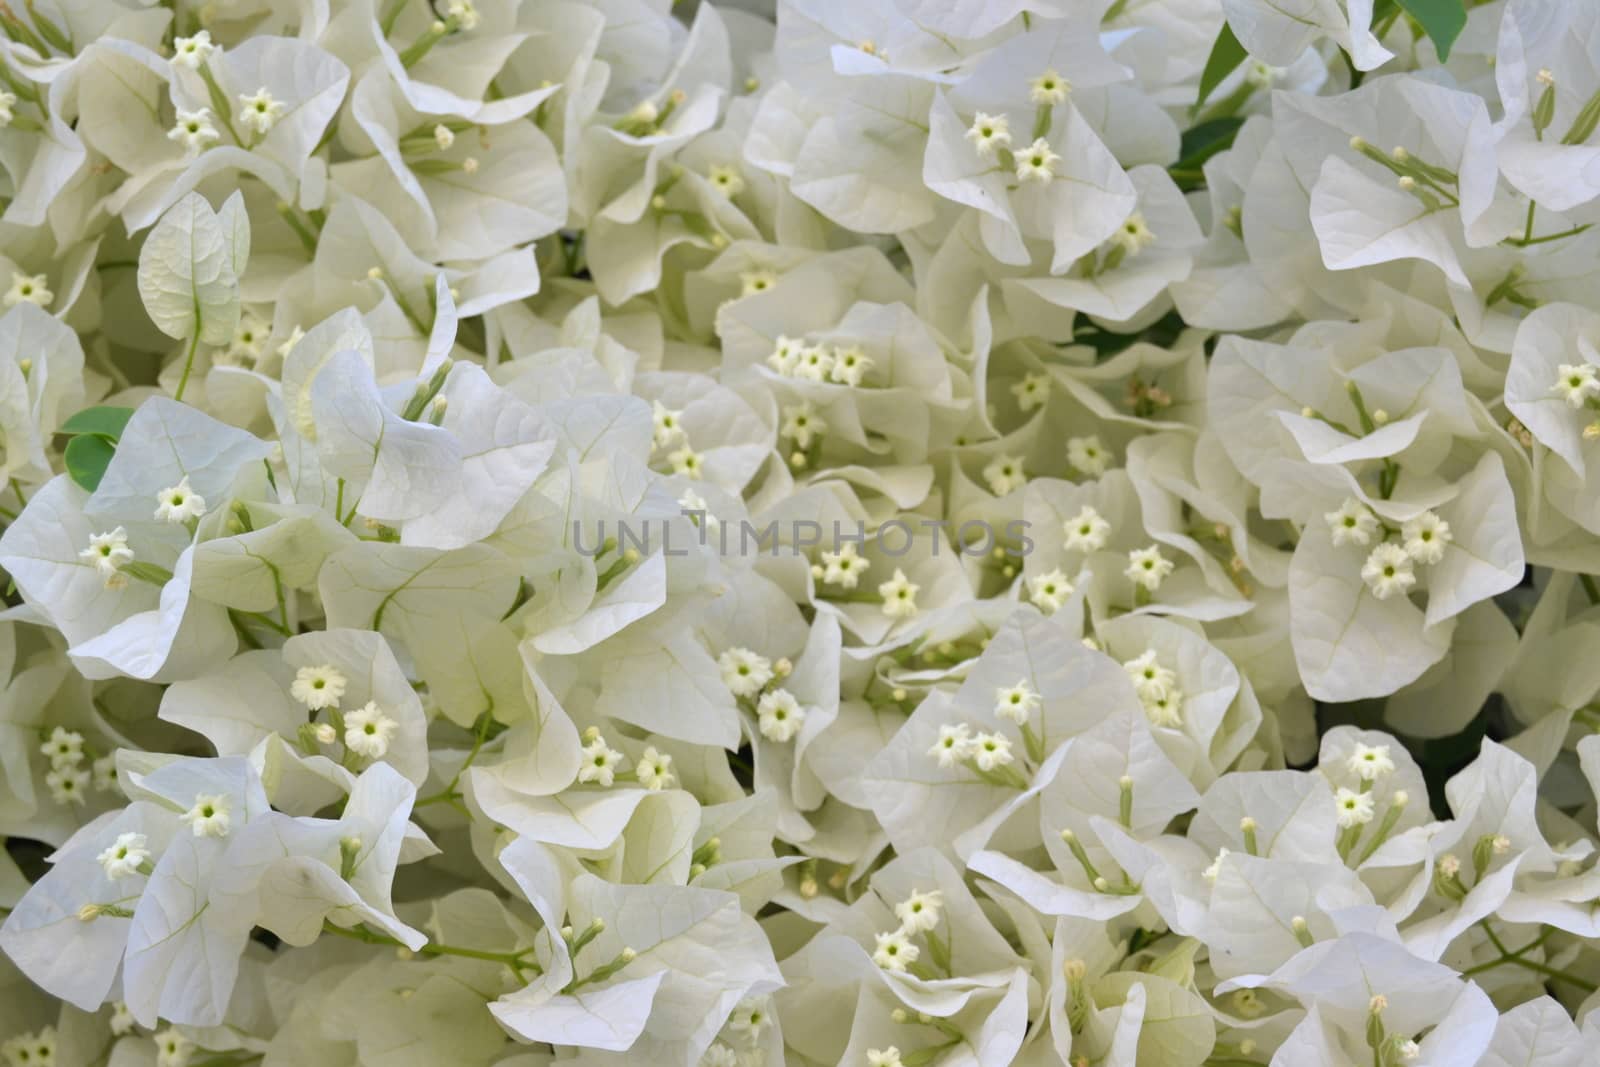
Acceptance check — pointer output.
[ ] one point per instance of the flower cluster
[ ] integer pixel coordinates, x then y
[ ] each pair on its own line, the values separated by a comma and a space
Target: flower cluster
857, 532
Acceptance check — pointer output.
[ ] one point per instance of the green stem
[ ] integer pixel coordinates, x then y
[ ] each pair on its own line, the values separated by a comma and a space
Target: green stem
188, 361
517, 961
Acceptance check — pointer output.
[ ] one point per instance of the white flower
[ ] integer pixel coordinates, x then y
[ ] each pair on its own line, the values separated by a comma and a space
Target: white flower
63, 746
1017, 703
843, 568
899, 596
720, 1055
462, 13
726, 179
368, 731
259, 110
991, 751
1004, 473
125, 855
122, 1021
685, 461
1576, 383
179, 503
955, 745
104, 770
1408, 1050
8, 101
894, 951
919, 912
780, 715
1048, 89
1425, 537
1049, 591
1148, 568
750, 1017
209, 817
1134, 235
1370, 762
654, 770
1148, 675
1388, 571
1086, 454
1354, 523
29, 289
1163, 708
668, 424
885, 1057
989, 133
756, 281
850, 365
193, 51
1352, 808
68, 784
744, 672
1032, 391
173, 1049
108, 553
193, 130
600, 761
802, 424
318, 687
1087, 531
32, 1050
785, 354
248, 337
813, 363
1037, 162
1211, 872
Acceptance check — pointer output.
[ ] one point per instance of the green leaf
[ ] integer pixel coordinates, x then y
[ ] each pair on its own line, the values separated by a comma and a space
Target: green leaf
1199, 144
87, 456
1442, 20
1226, 54
103, 421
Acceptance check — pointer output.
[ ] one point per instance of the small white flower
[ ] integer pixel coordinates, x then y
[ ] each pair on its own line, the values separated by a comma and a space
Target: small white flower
1049, 591
955, 745
756, 281
1261, 75
894, 951
802, 424
1354, 523
1388, 571
210, 815
843, 568
685, 461
248, 337
124, 856
193, 130
1425, 537
1370, 762
193, 51
991, 751
1134, 235
850, 365
173, 1049
1032, 391
1148, 675
654, 770
668, 424
462, 13
122, 1021
1048, 89
104, 770
1086, 454
720, 1055
31, 1050
1164, 708
1211, 872
744, 672
109, 553
68, 784
780, 715
29, 289
1352, 808
1017, 702
63, 746
919, 912
1004, 474
884, 1057
1148, 568
726, 179
750, 1017
785, 354
600, 762
989, 133
259, 110
899, 596
368, 731
813, 363
1409, 1050
318, 687
1087, 531
179, 503
1037, 162
1576, 383
8, 101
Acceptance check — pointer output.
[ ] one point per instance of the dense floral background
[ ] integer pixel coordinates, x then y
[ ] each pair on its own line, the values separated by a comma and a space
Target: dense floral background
900, 533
